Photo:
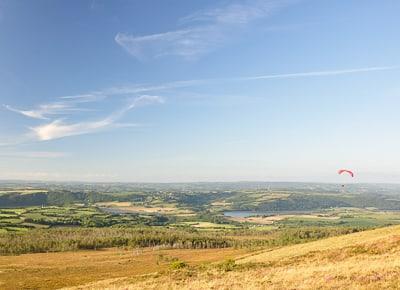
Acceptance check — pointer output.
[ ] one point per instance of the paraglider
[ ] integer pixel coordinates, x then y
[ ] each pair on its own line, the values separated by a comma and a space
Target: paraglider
341, 171
346, 171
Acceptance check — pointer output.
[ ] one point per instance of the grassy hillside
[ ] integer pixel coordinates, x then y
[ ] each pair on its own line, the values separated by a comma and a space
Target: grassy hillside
57, 270
366, 260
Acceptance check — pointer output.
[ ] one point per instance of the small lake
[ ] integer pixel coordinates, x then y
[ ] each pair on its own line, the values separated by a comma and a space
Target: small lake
245, 213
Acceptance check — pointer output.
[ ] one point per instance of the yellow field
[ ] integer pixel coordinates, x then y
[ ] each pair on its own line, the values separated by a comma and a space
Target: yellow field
207, 225
130, 207
367, 238
367, 260
269, 220
57, 270
221, 203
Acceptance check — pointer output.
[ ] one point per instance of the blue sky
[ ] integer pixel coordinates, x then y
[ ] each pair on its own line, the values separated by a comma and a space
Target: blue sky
162, 91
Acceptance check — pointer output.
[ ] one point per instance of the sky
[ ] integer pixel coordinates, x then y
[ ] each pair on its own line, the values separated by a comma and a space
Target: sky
211, 90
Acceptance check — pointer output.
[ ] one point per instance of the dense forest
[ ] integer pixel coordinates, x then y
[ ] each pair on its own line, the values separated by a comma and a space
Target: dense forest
67, 239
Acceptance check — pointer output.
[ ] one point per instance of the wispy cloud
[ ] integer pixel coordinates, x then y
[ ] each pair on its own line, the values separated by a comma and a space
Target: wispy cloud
59, 129
320, 73
205, 30
144, 88
237, 12
132, 89
64, 106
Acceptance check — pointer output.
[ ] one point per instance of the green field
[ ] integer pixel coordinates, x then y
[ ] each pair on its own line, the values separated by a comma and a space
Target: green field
197, 206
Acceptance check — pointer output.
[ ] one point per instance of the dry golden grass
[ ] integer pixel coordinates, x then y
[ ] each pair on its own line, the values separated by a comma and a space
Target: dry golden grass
334, 243
56, 270
367, 260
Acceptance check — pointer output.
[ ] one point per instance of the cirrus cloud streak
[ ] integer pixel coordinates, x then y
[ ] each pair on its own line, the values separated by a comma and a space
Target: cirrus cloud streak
59, 129
205, 30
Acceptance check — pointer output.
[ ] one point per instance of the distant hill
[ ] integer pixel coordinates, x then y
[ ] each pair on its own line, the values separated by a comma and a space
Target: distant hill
266, 197
39, 198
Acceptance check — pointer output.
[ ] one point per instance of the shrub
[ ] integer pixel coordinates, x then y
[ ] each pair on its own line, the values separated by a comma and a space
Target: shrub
227, 265
176, 265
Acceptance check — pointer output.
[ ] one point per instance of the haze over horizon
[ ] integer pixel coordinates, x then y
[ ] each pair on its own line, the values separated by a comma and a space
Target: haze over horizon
149, 91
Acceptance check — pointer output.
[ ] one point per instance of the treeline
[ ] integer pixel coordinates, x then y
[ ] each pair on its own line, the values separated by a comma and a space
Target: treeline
62, 197
303, 203
72, 239
380, 201
317, 202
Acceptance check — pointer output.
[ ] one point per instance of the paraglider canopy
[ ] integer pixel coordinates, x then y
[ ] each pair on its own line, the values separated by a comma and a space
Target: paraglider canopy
341, 171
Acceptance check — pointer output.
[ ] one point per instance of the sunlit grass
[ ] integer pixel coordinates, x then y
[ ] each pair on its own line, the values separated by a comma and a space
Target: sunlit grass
367, 260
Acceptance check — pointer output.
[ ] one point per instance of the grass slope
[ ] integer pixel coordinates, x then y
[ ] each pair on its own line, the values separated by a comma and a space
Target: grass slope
57, 270
366, 260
